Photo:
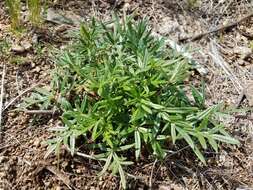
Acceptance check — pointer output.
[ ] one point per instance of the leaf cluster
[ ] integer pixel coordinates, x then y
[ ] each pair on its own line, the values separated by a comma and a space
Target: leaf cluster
122, 92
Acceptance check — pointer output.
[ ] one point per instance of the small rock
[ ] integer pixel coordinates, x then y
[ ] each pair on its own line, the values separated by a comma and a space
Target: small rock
6, 167
25, 17
241, 62
2, 159
26, 45
74, 18
163, 187
249, 92
37, 69
2, 174
78, 171
17, 49
57, 18
61, 28
23, 8
33, 64
36, 143
64, 164
47, 184
244, 188
244, 52
35, 39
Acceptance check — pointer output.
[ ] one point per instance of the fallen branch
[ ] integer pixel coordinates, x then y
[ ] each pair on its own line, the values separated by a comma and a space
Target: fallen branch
44, 112
136, 177
64, 178
1, 96
225, 66
220, 28
151, 174
21, 94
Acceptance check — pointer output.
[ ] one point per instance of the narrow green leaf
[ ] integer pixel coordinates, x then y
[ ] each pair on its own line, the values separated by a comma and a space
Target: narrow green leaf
204, 123
151, 104
122, 177
146, 108
50, 149
213, 143
203, 114
198, 97
201, 140
226, 139
186, 137
72, 141
181, 110
199, 155
173, 133
107, 164
126, 147
137, 139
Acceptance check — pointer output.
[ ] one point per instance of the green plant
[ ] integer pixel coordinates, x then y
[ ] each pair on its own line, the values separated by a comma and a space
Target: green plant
121, 92
17, 60
193, 3
251, 44
35, 11
14, 11
4, 46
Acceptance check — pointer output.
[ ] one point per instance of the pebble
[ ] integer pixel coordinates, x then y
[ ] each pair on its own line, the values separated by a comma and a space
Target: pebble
249, 92
55, 17
64, 164
37, 69
2, 174
61, 28
2, 159
36, 143
35, 39
78, 171
47, 184
23, 8
26, 45
244, 52
17, 49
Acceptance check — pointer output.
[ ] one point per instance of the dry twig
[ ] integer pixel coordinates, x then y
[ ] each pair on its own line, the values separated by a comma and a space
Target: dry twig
151, 174
21, 94
1, 96
220, 28
220, 62
44, 112
60, 175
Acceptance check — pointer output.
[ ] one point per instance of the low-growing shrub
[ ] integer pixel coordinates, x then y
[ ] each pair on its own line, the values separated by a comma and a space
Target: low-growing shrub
34, 11
121, 92
14, 8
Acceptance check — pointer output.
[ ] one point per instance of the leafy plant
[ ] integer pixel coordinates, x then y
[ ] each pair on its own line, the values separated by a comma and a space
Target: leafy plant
35, 11
122, 92
193, 3
14, 11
